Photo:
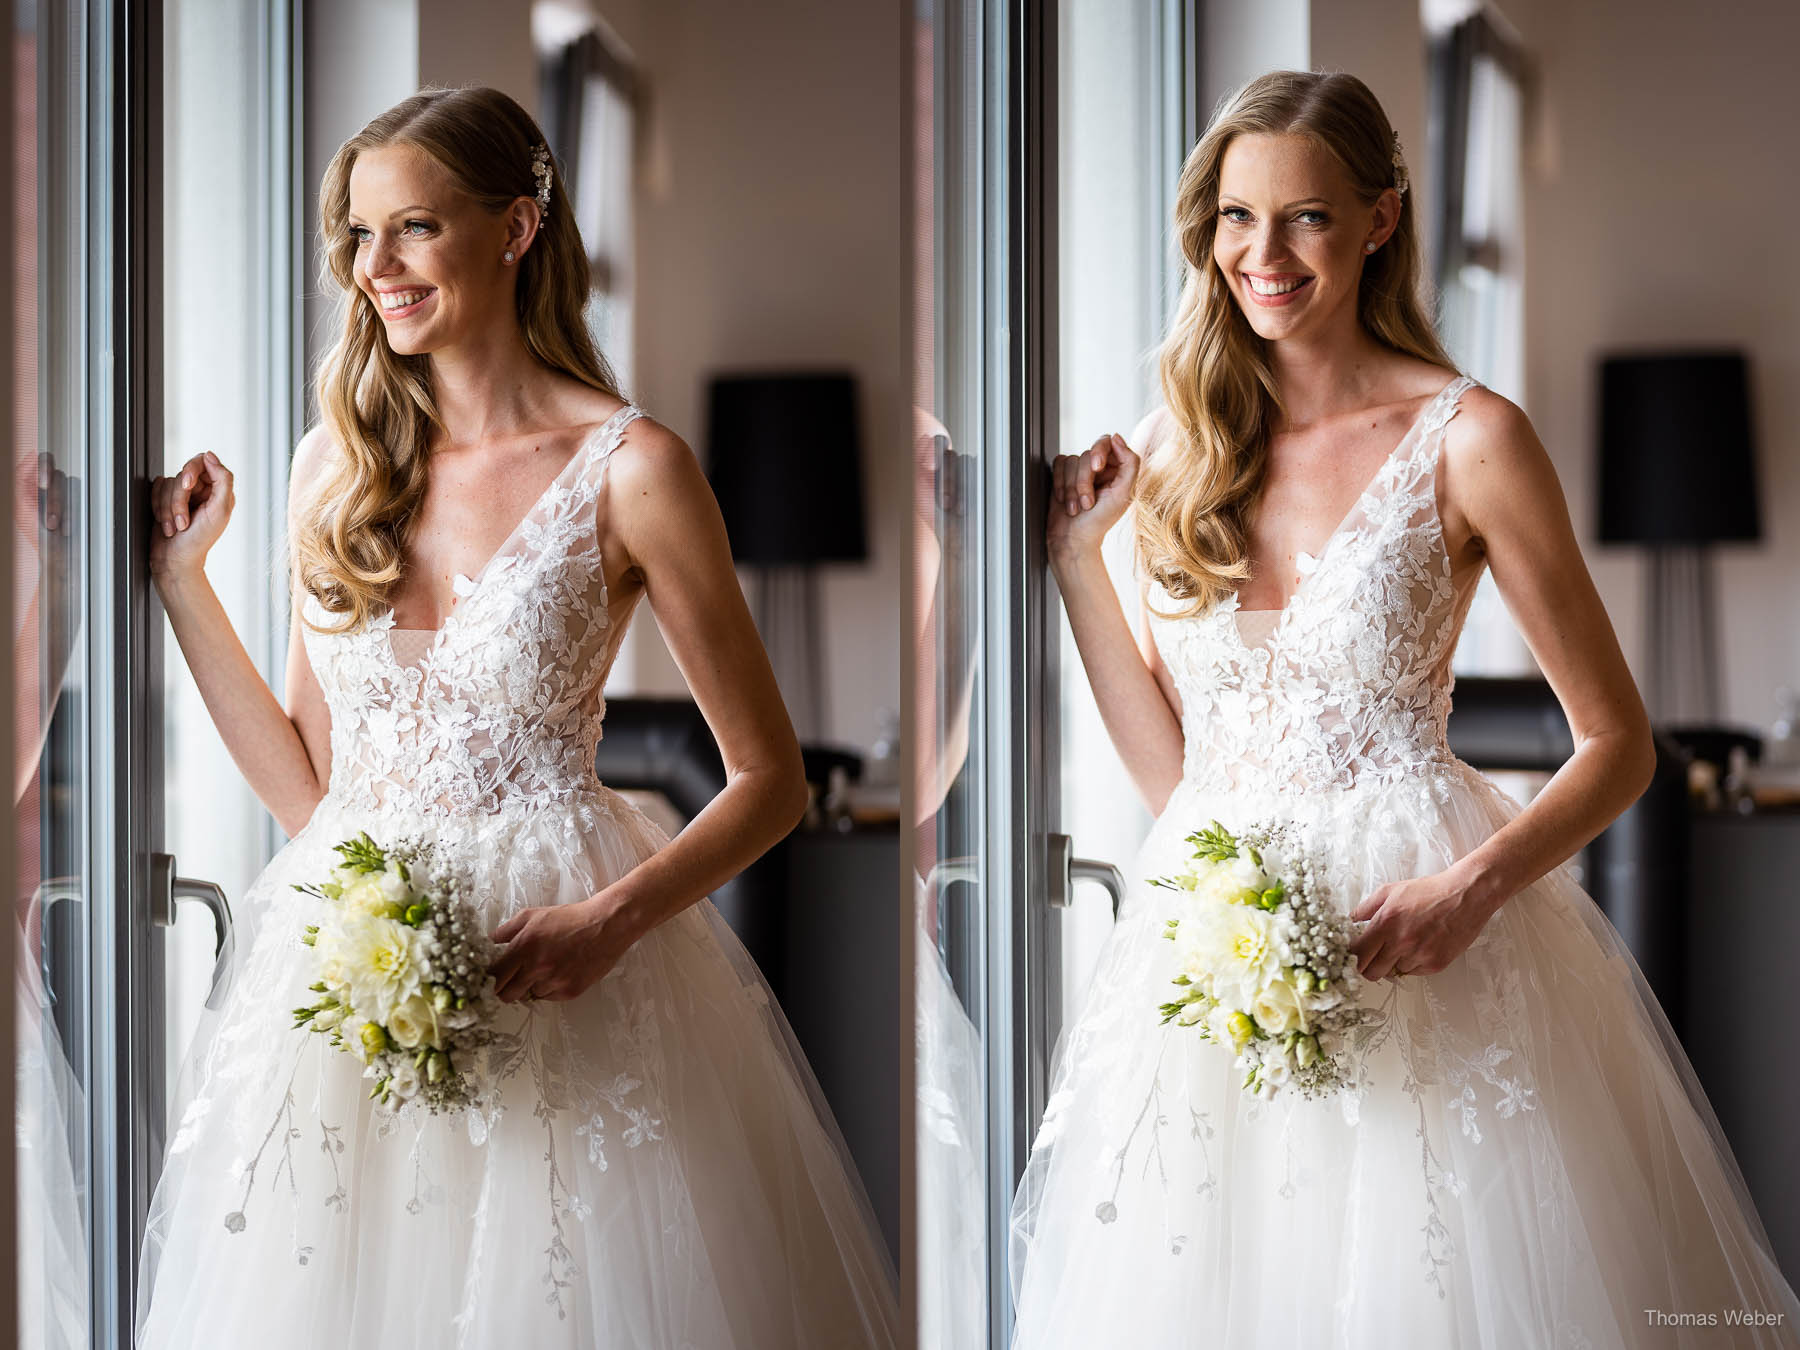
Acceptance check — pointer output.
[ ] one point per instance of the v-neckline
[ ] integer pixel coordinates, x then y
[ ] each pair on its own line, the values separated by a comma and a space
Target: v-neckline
1234, 608
473, 583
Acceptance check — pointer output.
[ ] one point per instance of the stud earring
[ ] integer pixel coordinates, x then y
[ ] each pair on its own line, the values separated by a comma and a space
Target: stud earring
1367, 248
509, 255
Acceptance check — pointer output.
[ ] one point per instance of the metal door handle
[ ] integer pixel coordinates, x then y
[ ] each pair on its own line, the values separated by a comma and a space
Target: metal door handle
1066, 869
166, 888
952, 870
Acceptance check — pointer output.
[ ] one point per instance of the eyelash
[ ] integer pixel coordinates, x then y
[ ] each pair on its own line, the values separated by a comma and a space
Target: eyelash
1225, 210
360, 240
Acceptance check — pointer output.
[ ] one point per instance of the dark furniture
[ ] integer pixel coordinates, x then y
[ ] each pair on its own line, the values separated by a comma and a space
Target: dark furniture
1739, 1028
1636, 869
818, 913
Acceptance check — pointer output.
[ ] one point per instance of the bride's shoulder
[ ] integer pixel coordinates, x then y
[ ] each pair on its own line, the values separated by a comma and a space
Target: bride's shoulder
1485, 425
646, 451
1492, 458
313, 457
1152, 432
313, 451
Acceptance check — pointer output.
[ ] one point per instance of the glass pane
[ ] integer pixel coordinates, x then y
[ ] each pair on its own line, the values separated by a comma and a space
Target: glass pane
1117, 174
951, 869
50, 482
219, 320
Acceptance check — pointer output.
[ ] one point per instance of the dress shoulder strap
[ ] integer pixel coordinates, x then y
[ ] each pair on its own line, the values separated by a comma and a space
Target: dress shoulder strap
605, 440
1438, 417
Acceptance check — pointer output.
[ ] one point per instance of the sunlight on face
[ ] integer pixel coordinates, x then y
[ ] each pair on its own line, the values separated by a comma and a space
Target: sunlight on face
426, 249
1290, 234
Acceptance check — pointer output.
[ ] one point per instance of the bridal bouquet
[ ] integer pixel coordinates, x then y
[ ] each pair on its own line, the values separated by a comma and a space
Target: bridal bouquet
1265, 960
402, 957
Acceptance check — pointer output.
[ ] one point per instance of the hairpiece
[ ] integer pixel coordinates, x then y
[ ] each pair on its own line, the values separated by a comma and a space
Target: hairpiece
540, 170
1400, 180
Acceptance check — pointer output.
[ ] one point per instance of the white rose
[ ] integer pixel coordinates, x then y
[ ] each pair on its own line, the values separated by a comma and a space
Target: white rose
1276, 1008
1218, 886
1245, 874
412, 1023
328, 948
393, 886
405, 1078
365, 896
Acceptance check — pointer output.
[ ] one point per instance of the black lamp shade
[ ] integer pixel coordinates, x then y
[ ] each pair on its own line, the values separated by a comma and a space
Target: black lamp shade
785, 462
1676, 461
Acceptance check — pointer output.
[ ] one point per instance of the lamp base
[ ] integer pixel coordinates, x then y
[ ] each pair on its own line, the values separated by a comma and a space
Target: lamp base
1681, 627
785, 606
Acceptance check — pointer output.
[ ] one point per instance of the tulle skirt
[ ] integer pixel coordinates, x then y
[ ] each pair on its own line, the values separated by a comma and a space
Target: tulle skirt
1533, 1163
950, 1232
660, 1170
50, 1224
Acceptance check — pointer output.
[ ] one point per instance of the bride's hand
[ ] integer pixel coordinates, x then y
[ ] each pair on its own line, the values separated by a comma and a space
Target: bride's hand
1417, 927
558, 951
191, 507
1089, 494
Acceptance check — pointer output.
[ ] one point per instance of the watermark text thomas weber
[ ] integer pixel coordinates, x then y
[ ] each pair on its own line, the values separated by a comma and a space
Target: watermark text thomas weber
1724, 1317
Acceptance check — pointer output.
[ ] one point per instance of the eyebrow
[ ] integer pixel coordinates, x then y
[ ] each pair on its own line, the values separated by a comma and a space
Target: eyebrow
1289, 207
416, 206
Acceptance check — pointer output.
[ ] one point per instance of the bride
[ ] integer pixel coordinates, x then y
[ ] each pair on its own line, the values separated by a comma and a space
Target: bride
473, 523
1529, 1159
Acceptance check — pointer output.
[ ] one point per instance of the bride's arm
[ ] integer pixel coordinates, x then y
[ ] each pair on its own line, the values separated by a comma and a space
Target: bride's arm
280, 753
1138, 705
662, 510
1498, 478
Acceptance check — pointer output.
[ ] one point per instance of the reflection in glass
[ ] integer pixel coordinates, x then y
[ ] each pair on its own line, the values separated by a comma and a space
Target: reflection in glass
1119, 151
952, 1247
49, 981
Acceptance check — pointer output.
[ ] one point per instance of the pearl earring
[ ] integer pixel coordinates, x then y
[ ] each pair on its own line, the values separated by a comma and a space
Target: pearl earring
509, 255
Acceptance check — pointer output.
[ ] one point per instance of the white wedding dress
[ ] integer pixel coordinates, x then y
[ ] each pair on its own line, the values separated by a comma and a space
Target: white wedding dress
659, 1170
1530, 1161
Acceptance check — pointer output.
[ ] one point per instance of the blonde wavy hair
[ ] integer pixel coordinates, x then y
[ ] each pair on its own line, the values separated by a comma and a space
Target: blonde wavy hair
1194, 496
377, 406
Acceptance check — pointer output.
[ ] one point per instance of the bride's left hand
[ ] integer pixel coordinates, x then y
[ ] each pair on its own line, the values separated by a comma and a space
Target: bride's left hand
1417, 927
559, 951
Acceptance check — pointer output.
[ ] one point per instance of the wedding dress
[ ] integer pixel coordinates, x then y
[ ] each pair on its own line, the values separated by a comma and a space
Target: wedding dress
1529, 1160
950, 1236
659, 1170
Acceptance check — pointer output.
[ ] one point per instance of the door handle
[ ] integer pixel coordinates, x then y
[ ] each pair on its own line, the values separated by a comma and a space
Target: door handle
952, 870
1066, 870
166, 889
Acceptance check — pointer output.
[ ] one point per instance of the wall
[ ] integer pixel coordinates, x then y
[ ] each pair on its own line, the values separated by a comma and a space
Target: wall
772, 231
363, 56
1659, 214
1654, 179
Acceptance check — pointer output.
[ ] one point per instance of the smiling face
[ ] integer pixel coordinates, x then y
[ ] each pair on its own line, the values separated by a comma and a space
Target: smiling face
1291, 231
427, 255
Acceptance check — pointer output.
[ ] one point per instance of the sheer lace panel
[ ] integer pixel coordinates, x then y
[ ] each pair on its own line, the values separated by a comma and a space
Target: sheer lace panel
502, 705
1352, 679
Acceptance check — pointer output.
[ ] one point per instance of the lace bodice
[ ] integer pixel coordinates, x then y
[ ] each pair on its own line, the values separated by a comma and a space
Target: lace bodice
1353, 681
501, 705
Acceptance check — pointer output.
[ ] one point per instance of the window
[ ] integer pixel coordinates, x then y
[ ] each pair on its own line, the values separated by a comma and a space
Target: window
1480, 83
